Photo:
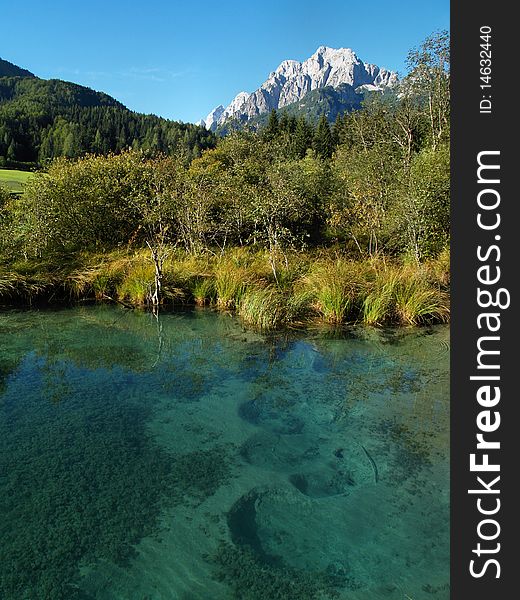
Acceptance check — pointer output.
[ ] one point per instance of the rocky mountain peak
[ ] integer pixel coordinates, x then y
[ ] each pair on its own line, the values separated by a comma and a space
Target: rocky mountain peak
211, 121
292, 80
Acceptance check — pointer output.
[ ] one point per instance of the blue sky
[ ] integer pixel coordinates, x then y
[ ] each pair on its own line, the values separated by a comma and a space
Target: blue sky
181, 59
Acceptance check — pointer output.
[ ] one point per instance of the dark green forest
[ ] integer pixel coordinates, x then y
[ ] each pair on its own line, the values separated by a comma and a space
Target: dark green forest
44, 119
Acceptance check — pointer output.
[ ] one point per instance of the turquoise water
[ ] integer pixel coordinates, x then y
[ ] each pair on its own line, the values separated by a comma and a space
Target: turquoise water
186, 458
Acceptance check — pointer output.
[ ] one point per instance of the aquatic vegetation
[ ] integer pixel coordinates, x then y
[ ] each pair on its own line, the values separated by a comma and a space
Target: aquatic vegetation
137, 285
417, 302
378, 304
264, 308
406, 439
336, 287
251, 579
200, 473
404, 295
8, 365
203, 290
329, 289
72, 488
230, 284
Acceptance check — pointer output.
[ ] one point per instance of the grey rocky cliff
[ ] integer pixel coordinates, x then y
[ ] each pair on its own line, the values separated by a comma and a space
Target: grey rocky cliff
292, 80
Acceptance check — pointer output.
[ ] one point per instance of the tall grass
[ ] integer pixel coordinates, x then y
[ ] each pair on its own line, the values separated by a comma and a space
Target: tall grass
404, 295
438, 269
263, 308
29, 280
337, 287
418, 302
203, 290
137, 284
8, 284
378, 303
331, 289
231, 281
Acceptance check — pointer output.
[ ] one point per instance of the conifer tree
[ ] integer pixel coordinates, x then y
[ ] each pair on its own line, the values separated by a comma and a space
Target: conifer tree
323, 143
302, 138
272, 128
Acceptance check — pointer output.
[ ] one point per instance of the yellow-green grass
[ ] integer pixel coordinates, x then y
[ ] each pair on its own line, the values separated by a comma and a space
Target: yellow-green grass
14, 180
320, 287
337, 287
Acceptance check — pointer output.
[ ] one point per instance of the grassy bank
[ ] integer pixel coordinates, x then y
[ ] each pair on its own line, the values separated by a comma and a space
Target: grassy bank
14, 180
308, 288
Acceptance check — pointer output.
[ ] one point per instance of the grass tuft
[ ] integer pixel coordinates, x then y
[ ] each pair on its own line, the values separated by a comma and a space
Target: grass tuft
263, 308
336, 287
137, 284
418, 302
333, 290
231, 281
203, 290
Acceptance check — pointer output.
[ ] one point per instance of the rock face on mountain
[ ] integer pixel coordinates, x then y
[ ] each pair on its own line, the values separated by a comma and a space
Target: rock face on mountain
210, 122
292, 80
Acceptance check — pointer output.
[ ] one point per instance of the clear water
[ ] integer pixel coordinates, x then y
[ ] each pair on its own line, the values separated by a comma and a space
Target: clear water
189, 459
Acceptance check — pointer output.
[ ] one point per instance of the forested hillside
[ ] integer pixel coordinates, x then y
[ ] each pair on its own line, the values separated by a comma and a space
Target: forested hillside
7, 69
43, 119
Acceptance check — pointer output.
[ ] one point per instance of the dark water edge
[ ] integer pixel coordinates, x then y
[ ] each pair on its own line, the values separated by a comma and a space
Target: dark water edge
188, 458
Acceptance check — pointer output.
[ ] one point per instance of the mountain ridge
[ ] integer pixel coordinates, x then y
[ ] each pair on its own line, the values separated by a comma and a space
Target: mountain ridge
293, 80
41, 119
8, 69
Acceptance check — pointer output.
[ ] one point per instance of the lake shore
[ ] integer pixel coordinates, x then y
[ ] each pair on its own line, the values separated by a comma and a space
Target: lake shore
266, 293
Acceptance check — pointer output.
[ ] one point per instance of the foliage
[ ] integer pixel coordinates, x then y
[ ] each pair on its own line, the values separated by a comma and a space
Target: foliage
250, 578
368, 194
7, 69
429, 82
421, 215
81, 205
65, 504
42, 120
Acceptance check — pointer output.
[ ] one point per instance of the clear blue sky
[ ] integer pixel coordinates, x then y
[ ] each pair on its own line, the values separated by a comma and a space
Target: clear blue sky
181, 59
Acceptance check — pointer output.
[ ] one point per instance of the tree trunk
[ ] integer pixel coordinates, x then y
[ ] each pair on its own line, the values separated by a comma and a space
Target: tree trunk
155, 296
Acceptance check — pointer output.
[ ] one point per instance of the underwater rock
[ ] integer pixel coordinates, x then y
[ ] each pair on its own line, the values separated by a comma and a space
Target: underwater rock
285, 529
273, 451
272, 414
249, 411
323, 483
300, 482
241, 520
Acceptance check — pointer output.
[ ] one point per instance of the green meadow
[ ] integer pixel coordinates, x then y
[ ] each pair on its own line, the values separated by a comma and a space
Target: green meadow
14, 180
